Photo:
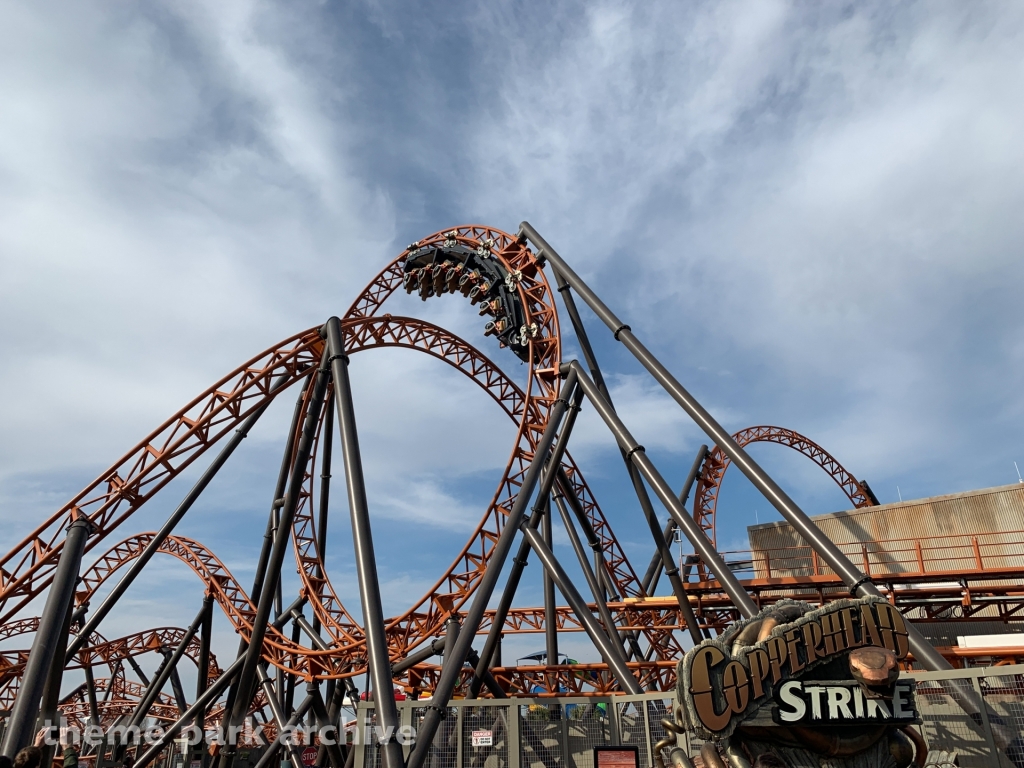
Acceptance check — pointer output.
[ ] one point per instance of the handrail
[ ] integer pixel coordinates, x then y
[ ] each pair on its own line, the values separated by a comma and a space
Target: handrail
975, 552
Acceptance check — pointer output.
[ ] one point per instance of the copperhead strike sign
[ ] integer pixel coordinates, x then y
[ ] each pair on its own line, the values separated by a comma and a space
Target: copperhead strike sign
824, 679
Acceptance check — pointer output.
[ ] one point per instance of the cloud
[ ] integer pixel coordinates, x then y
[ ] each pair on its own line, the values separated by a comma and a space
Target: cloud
810, 214
172, 204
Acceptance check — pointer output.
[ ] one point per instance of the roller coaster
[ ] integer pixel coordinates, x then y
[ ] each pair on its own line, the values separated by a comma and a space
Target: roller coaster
447, 643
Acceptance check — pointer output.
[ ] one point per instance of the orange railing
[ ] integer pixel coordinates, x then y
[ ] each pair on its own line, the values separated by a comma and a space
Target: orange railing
921, 556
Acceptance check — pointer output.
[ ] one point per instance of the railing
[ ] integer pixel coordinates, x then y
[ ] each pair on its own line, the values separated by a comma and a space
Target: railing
928, 555
561, 733
529, 732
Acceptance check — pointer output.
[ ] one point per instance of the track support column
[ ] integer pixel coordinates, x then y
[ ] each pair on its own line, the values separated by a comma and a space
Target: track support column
451, 671
247, 677
858, 583
550, 606
19, 732
362, 539
612, 653
493, 642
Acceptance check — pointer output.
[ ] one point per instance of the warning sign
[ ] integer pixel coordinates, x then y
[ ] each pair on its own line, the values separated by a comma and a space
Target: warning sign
483, 739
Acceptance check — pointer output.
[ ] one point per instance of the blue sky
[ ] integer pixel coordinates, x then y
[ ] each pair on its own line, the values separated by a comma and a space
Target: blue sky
807, 211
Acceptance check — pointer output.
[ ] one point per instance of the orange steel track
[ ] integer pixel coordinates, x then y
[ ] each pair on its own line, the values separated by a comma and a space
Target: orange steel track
716, 463
919, 575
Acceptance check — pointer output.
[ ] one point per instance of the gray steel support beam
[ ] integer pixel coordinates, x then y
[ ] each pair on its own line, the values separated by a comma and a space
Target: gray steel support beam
209, 695
165, 530
326, 451
520, 561
20, 726
289, 679
588, 574
328, 716
163, 674
362, 540
858, 583
203, 674
610, 652
323, 720
247, 677
634, 476
138, 671
450, 674
654, 569
283, 726
694, 533
273, 701
268, 536
593, 540
179, 692
90, 690
51, 693
473, 658
117, 670
433, 648
550, 606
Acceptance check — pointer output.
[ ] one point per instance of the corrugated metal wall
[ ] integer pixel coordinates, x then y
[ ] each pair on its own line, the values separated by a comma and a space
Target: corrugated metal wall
942, 532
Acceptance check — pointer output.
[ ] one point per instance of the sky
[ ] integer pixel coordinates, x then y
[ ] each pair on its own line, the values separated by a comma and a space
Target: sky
805, 210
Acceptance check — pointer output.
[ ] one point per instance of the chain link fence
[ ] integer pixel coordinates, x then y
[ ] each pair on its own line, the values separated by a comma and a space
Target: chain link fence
561, 733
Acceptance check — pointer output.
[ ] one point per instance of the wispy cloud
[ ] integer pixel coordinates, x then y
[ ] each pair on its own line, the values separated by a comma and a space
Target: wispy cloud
810, 213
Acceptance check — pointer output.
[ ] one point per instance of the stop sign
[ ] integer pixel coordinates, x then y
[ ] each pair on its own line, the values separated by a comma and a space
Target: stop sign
309, 756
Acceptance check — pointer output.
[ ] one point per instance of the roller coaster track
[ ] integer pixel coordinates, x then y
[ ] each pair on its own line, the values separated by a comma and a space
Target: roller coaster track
529, 327
716, 463
106, 652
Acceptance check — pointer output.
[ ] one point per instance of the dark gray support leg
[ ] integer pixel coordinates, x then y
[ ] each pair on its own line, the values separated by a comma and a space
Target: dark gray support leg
268, 536
48, 639
639, 458
433, 648
654, 569
450, 674
602, 608
318, 642
858, 583
165, 530
289, 679
90, 689
496, 656
179, 692
519, 562
282, 722
209, 695
601, 568
326, 450
667, 561
138, 671
362, 539
638, 484
51, 694
473, 658
203, 673
323, 720
170, 663
610, 652
254, 650
451, 635
550, 606
114, 672
294, 754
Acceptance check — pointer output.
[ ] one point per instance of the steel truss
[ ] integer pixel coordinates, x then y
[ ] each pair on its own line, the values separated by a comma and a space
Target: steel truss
638, 636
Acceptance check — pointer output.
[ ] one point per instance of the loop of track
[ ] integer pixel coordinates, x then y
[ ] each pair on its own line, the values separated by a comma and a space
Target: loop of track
121, 490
